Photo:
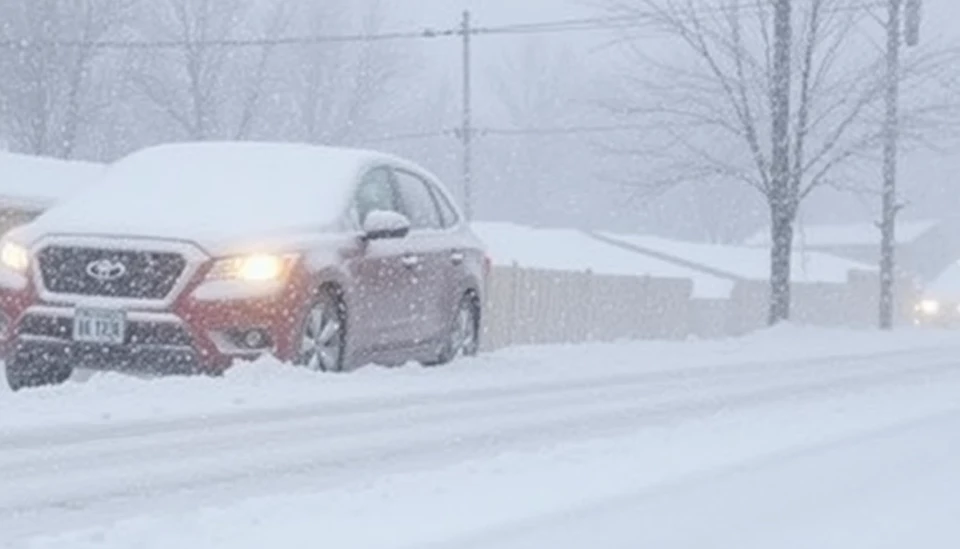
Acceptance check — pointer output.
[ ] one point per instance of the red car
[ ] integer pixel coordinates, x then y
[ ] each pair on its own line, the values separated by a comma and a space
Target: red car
187, 257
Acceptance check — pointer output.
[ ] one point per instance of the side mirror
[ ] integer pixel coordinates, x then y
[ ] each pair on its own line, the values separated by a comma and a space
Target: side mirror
381, 224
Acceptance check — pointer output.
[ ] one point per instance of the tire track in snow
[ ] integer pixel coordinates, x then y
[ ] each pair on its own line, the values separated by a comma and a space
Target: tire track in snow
399, 440
45, 438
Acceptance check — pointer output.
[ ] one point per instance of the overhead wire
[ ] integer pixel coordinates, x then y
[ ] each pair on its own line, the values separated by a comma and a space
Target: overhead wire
541, 27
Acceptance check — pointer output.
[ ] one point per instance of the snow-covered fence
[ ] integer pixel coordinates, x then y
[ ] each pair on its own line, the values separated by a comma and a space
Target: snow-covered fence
853, 304
534, 306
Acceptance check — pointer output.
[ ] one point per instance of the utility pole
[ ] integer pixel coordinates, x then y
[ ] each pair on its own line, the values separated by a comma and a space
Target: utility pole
466, 131
891, 137
781, 202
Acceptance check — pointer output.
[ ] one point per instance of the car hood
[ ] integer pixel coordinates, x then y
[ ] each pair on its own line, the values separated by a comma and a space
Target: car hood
210, 194
256, 236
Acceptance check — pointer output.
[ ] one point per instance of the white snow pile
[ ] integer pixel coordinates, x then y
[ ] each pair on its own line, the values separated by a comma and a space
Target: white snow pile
749, 263
109, 398
35, 182
572, 250
860, 467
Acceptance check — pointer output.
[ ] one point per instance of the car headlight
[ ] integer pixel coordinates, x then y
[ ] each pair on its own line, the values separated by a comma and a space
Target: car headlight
929, 307
253, 268
15, 257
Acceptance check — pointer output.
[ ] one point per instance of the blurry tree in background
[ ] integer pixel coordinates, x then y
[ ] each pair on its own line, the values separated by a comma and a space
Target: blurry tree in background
208, 91
537, 89
710, 101
50, 95
332, 92
98, 78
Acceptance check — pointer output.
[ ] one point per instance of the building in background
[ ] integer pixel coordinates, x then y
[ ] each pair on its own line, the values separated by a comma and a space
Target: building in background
925, 248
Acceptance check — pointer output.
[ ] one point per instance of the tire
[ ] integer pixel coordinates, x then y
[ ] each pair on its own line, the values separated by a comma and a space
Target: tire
321, 343
463, 339
27, 374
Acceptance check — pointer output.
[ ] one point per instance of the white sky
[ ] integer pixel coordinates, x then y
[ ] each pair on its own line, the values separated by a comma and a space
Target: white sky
929, 181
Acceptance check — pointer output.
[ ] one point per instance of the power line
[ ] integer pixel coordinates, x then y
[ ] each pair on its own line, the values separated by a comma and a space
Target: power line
231, 42
512, 132
541, 27
561, 130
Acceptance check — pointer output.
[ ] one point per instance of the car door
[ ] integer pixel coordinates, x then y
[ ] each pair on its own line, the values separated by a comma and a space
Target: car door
380, 307
429, 260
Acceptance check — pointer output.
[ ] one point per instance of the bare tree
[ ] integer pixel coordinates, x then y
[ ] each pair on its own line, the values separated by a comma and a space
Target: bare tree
207, 86
536, 88
337, 92
710, 96
51, 88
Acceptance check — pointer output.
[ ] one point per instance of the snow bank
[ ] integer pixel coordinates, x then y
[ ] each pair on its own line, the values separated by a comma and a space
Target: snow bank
106, 399
795, 472
748, 263
573, 250
215, 191
34, 182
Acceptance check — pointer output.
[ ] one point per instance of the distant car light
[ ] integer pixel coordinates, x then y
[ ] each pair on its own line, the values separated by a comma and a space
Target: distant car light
929, 307
15, 257
252, 268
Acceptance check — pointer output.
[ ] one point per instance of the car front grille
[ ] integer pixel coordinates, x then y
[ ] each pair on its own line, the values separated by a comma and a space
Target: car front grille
145, 274
164, 334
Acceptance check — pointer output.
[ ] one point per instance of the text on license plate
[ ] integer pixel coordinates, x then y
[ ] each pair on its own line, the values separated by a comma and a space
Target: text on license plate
99, 326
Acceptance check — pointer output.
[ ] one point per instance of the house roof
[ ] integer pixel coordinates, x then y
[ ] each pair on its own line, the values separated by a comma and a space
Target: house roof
574, 250
855, 234
742, 262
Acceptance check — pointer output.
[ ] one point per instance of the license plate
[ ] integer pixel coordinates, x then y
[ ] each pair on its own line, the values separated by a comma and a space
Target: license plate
99, 326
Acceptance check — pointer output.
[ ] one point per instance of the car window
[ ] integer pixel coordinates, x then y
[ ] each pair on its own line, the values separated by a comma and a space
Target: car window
418, 201
448, 214
375, 192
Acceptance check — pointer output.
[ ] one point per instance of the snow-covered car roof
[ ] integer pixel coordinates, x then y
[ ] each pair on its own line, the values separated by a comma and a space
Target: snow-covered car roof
214, 192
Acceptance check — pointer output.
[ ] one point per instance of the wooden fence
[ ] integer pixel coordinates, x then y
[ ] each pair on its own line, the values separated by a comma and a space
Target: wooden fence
531, 306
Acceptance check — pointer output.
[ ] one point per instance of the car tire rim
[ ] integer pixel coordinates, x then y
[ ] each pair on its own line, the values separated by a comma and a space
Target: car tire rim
465, 334
322, 343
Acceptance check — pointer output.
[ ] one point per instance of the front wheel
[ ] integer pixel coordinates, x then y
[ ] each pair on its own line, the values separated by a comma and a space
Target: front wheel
24, 373
464, 336
323, 335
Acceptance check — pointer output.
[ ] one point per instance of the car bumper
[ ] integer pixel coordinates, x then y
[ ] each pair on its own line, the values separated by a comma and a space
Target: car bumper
125, 358
196, 337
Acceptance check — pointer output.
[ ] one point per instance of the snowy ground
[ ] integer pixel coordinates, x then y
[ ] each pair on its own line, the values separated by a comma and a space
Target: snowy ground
791, 438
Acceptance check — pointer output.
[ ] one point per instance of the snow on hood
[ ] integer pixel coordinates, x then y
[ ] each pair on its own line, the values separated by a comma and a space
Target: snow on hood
212, 193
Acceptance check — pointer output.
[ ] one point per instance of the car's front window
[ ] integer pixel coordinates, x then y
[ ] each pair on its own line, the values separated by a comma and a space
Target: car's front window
375, 192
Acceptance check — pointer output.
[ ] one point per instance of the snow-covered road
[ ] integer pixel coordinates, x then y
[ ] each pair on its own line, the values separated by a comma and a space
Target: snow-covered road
788, 439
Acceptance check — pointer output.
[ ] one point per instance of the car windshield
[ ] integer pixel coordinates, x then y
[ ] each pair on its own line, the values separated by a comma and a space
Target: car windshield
565, 274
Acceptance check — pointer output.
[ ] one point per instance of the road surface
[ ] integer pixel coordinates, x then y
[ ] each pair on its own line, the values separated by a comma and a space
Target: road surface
855, 450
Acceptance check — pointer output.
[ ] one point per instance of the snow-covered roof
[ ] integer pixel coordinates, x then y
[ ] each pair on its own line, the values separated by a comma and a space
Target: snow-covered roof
745, 262
856, 234
946, 285
34, 182
215, 192
573, 250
